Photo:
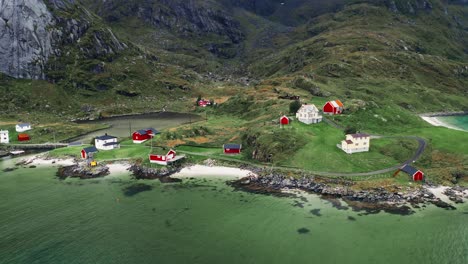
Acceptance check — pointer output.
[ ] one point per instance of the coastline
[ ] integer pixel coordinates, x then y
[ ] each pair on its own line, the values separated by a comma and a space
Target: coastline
260, 181
434, 119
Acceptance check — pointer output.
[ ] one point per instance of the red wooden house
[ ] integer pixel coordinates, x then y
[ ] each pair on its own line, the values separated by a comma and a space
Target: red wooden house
333, 107
163, 159
204, 103
413, 172
88, 152
232, 148
23, 137
284, 120
143, 135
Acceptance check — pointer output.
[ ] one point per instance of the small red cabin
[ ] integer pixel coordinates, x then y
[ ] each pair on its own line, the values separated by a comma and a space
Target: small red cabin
284, 120
163, 159
232, 148
143, 135
333, 107
88, 152
23, 137
416, 174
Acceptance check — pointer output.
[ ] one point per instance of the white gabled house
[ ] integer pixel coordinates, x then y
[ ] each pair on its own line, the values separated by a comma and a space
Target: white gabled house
4, 137
106, 142
23, 127
355, 143
308, 114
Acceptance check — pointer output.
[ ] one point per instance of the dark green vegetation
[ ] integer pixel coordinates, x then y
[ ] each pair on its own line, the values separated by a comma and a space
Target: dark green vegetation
386, 60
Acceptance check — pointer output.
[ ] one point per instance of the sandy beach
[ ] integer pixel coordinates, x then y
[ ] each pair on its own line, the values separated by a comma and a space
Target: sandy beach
119, 168
439, 193
41, 160
212, 171
435, 121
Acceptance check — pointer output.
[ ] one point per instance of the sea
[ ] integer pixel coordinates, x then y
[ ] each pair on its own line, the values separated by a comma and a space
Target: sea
116, 219
460, 121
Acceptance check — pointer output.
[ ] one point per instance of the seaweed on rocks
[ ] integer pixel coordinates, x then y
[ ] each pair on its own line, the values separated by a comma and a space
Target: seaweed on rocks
316, 212
162, 174
9, 169
303, 230
370, 201
136, 188
82, 171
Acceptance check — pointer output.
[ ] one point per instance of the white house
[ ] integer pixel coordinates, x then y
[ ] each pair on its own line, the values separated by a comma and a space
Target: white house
308, 114
355, 143
106, 142
23, 127
4, 137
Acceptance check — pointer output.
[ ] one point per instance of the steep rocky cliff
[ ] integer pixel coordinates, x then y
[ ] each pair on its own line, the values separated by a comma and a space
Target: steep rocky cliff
25, 37
31, 31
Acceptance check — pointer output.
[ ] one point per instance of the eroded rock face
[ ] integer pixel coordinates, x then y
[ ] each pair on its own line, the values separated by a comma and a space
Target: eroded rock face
25, 38
31, 31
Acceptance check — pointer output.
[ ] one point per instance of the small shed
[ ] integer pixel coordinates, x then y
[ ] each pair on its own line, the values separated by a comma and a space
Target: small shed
232, 148
23, 137
23, 127
333, 107
170, 157
88, 152
143, 135
284, 120
413, 172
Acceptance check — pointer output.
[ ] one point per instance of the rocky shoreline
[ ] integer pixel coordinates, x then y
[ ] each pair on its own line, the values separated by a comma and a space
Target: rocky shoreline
374, 199
82, 171
162, 174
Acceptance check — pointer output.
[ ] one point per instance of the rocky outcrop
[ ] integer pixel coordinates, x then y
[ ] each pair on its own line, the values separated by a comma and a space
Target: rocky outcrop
185, 17
163, 174
32, 31
410, 6
274, 182
82, 171
25, 38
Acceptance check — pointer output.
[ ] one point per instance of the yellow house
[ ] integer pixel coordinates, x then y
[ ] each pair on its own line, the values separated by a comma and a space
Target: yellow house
355, 143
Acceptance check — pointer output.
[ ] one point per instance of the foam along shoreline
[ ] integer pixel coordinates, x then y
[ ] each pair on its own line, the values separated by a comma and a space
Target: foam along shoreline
212, 171
435, 121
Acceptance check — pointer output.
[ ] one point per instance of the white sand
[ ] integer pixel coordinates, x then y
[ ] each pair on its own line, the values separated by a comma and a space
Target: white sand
118, 168
41, 160
215, 171
438, 192
435, 121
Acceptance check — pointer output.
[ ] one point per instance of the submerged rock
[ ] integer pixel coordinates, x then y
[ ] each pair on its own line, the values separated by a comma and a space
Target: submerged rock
136, 189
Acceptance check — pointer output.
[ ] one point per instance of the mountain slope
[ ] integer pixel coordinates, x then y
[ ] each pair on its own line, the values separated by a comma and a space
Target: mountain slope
413, 53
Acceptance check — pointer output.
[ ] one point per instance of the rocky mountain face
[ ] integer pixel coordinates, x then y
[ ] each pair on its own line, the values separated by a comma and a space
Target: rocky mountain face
187, 18
25, 40
31, 31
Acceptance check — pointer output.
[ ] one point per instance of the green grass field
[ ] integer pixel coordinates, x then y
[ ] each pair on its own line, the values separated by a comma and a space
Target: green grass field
320, 153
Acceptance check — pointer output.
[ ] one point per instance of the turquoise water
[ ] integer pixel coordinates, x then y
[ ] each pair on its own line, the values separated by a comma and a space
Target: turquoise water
458, 121
44, 220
